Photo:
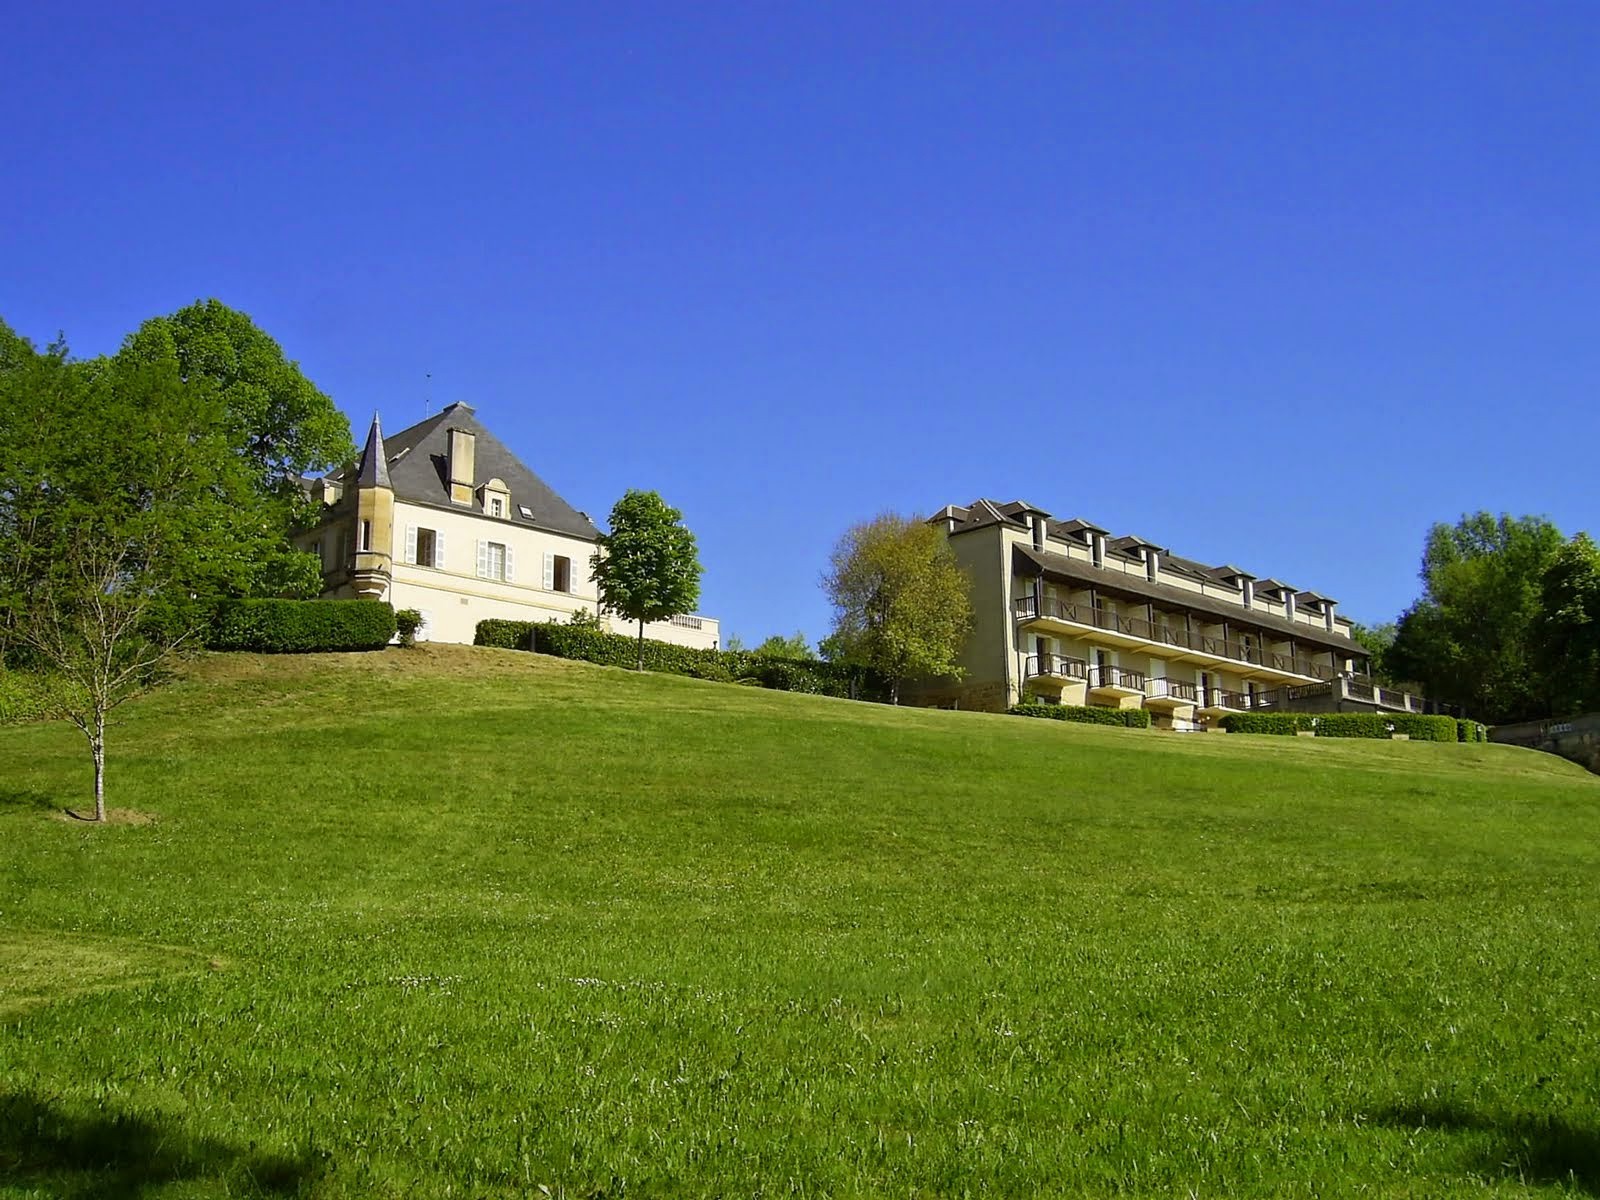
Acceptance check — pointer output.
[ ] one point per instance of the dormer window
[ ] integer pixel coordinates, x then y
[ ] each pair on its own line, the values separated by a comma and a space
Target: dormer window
496, 506
495, 498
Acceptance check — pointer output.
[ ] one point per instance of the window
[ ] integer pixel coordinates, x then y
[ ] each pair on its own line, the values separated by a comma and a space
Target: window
366, 535
424, 547
497, 507
316, 548
495, 562
557, 573
527, 513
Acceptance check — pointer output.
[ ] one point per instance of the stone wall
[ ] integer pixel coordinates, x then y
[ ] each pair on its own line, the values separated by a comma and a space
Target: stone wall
1575, 738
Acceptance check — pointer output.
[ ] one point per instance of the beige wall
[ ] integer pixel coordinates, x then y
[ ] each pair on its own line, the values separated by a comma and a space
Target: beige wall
453, 597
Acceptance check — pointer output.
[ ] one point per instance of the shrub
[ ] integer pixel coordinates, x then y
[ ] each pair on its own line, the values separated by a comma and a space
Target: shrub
406, 622
301, 626
1471, 731
1345, 725
26, 696
583, 641
506, 635
1127, 718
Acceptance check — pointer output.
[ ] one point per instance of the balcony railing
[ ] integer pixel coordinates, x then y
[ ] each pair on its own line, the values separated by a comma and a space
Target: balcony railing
1028, 608
1172, 689
1116, 677
1223, 698
1054, 666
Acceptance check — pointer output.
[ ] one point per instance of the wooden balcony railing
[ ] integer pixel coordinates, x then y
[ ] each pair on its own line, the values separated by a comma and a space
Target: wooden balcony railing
1116, 677
1172, 689
1027, 608
1057, 666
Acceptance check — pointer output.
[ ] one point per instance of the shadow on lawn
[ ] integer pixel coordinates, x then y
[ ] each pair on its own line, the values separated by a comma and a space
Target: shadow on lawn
116, 1155
1537, 1149
13, 798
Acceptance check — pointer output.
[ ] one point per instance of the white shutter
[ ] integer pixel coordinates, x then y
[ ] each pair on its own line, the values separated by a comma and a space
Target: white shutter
438, 549
549, 571
511, 572
411, 543
483, 559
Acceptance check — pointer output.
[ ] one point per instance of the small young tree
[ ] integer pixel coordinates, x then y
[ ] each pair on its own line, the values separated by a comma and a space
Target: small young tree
902, 603
647, 568
795, 647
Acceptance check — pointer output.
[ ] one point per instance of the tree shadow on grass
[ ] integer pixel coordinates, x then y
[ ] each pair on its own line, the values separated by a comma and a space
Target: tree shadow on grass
1527, 1147
18, 800
67, 1153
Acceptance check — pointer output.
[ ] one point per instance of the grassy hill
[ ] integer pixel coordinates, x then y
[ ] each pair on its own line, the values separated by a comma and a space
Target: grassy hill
477, 923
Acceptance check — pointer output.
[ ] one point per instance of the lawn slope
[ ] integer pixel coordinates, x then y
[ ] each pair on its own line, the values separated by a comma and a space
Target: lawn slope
478, 923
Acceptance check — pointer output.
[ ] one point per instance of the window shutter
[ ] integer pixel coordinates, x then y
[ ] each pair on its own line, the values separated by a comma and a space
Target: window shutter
511, 573
549, 571
483, 559
411, 543
438, 548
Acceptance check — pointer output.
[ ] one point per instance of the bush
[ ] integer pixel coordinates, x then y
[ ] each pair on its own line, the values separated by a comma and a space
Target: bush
1471, 731
26, 696
406, 622
506, 635
301, 626
583, 641
1127, 718
1345, 725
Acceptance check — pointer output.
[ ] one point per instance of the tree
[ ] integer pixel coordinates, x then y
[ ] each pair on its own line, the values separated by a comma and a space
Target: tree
902, 604
280, 424
1376, 641
1567, 632
647, 568
1469, 640
794, 647
131, 508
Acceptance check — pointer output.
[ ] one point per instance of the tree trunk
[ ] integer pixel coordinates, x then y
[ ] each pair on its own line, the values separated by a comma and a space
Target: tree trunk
641, 645
97, 747
894, 691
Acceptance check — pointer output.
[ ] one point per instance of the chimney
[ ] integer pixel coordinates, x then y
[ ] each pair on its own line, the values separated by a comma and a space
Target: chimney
1152, 563
1249, 592
1288, 603
1327, 614
1099, 542
462, 446
1037, 521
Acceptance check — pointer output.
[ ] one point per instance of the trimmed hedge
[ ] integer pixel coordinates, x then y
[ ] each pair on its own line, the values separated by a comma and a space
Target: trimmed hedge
1093, 714
301, 626
1471, 731
1345, 725
588, 644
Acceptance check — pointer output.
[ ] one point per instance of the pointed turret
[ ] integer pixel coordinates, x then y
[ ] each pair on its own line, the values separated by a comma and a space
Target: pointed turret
373, 470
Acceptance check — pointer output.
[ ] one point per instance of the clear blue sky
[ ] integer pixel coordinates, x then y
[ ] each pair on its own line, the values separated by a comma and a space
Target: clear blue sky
1274, 284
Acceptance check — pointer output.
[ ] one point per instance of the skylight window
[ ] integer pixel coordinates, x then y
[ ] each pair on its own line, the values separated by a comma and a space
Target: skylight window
527, 513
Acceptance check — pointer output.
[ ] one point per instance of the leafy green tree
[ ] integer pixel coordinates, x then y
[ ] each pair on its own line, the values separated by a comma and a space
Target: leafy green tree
134, 506
902, 603
647, 567
793, 647
1469, 640
1567, 631
1376, 640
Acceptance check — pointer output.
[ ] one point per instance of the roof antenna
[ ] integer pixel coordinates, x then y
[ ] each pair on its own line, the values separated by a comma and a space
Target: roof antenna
427, 396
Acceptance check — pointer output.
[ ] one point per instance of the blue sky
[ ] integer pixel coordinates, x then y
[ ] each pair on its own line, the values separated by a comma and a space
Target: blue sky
1272, 284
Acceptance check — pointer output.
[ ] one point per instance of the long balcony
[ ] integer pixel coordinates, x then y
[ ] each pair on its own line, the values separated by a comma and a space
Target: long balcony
1176, 643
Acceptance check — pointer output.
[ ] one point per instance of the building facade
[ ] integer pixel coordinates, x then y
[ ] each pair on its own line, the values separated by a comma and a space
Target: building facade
1063, 612
443, 518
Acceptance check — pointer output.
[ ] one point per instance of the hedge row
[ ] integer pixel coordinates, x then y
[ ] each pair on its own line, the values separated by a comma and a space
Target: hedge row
1471, 731
1129, 718
725, 666
1346, 725
300, 626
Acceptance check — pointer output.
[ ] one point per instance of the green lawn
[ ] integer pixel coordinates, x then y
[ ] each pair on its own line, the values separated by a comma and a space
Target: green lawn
478, 923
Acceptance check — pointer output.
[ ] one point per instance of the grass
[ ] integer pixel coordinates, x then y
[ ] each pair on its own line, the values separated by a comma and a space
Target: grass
477, 923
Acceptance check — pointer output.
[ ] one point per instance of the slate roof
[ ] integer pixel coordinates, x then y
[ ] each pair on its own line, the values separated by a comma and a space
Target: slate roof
416, 463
